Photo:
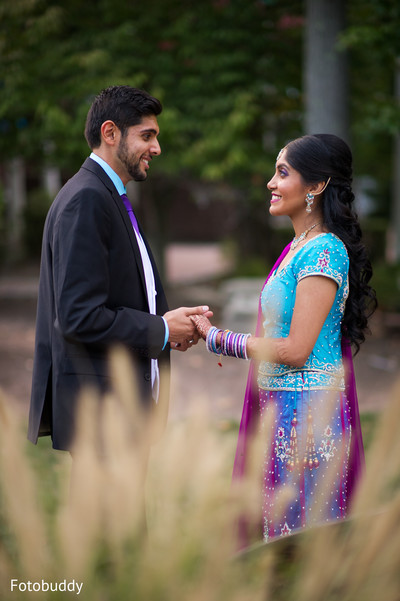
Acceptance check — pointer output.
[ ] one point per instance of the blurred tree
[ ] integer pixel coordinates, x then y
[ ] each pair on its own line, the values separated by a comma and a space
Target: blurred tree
15, 200
230, 99
229, 73
393, 247
373, 41
325, 69
216, 68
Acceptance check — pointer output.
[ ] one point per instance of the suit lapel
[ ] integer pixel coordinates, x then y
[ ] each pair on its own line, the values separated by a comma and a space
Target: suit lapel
161, 302
102, 175
132, 237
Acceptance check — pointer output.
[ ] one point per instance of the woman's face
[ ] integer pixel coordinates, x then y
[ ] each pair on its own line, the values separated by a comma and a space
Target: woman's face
288, 189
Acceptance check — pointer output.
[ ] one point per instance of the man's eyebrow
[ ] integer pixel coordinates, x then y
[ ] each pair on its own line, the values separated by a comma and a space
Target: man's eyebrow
149, 130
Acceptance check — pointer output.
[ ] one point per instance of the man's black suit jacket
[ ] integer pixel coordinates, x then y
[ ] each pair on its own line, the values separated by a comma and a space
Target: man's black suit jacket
92, 295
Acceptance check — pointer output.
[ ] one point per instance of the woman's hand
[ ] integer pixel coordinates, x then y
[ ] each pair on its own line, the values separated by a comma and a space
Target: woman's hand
202, 324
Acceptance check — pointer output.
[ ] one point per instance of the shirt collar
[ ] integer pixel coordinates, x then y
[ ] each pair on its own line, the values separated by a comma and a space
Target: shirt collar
116, 180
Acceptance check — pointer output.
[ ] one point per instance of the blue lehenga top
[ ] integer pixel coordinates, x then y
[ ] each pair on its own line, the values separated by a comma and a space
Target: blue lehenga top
324, 255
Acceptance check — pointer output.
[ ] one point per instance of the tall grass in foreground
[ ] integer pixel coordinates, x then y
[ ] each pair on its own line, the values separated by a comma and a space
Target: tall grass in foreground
89, 527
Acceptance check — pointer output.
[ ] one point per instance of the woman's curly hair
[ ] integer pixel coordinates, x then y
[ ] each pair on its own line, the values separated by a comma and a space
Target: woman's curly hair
317, 158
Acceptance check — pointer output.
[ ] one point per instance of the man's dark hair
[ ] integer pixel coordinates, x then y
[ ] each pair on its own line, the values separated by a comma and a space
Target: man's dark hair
124, 105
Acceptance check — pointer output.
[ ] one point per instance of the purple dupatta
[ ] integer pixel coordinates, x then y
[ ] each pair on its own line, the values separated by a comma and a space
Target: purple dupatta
250, 414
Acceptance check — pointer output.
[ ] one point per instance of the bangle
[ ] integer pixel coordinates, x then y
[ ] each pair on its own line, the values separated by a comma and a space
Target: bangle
211, 340
232, 344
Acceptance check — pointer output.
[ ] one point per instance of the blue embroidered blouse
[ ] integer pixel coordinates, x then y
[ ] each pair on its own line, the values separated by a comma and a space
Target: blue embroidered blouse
324, 255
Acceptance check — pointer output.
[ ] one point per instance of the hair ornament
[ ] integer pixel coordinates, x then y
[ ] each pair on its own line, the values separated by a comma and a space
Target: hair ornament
326, 185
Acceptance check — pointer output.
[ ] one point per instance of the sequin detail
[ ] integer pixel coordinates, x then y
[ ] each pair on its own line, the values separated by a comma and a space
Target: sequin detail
327, 448
282, 446
285, 531
307, 494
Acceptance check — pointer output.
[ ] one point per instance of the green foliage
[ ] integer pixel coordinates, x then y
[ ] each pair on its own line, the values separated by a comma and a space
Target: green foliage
374, 47
2, 224
218, 78
386, 281
369, 422
209, 64
229, 74
227, 71
251, 267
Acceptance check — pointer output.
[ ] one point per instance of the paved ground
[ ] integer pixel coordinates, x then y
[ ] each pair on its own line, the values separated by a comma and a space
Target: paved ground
196, 377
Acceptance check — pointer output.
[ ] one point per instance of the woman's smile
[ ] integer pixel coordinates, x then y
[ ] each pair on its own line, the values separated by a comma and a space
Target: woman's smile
275, 198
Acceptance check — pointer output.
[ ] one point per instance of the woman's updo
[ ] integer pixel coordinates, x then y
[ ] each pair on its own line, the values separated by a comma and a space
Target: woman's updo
317, 158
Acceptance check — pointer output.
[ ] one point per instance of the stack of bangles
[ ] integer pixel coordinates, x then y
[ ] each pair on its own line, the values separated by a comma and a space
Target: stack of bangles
230, 345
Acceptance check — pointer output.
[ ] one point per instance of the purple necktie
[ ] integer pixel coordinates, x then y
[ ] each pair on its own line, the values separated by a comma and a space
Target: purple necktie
131, 214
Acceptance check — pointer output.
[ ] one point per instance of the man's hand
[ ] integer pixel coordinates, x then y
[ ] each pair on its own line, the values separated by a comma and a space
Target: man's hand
182, 331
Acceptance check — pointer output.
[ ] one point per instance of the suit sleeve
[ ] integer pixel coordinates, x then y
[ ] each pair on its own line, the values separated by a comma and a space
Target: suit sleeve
81, 247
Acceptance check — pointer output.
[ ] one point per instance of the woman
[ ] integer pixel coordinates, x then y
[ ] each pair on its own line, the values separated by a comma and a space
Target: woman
314, 305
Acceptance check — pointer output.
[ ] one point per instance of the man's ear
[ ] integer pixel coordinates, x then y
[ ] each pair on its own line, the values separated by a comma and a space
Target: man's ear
109, 132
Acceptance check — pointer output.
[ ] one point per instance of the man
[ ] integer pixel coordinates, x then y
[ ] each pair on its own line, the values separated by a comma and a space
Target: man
99, 285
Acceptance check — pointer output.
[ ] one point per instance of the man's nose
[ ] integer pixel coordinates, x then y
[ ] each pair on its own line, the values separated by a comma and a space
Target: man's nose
156, 148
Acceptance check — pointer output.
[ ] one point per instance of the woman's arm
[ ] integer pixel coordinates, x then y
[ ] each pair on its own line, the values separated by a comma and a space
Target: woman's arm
314, 299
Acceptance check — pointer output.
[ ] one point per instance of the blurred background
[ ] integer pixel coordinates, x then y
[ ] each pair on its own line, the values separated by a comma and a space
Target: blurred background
237, 79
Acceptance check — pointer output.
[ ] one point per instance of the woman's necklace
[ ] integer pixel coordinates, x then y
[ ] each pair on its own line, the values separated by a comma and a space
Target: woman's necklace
296, 241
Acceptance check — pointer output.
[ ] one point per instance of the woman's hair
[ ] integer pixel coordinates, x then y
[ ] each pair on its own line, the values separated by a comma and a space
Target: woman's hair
317, 158
124, 105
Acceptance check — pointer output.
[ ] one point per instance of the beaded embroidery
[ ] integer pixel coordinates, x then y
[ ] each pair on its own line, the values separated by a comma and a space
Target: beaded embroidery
327, 448
266, 530
293, 380
313, 364
323, 261
322, 268
303, 506
282, 449
285, 531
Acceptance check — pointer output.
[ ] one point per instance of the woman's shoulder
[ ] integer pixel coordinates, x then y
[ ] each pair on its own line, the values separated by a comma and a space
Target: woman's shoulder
326, 242
325, 254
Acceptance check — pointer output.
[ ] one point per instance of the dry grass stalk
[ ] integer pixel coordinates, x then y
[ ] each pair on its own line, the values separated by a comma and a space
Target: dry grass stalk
20, 497
192, 510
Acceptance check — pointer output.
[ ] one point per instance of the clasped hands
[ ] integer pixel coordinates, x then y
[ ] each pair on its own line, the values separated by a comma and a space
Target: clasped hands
187, 325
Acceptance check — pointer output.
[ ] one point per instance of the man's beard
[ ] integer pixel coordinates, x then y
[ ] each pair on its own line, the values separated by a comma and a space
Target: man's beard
131, 163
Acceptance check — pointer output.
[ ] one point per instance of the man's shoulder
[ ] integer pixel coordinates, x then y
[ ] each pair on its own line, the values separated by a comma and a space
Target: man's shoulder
90, 174
90, 178
85, 190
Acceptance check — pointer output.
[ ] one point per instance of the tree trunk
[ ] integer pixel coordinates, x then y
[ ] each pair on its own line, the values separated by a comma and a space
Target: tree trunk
15, 200
325, 69
393, 238
51, 175
51, 180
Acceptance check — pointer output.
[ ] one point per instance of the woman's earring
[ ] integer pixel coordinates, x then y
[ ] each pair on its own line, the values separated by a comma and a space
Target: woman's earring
309, 201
